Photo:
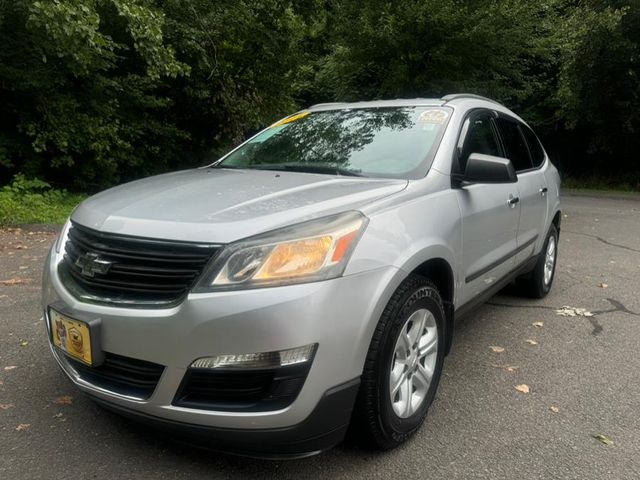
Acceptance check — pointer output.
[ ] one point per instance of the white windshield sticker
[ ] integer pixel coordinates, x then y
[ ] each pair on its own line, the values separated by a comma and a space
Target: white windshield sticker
433, 117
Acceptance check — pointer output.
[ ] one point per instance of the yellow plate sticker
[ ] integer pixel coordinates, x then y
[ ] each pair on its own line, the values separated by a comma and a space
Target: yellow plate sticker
70, 335
290, 119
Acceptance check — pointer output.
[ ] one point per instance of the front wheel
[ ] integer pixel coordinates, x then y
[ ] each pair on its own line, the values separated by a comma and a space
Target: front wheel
403, 365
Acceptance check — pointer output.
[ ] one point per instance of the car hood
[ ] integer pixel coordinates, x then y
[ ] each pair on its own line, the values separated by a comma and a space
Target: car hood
223, 205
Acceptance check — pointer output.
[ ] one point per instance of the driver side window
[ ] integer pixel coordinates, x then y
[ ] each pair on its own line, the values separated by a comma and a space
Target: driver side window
480, 138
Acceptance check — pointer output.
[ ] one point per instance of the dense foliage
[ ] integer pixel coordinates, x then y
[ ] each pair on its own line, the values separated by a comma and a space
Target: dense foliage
94, 92
34, 201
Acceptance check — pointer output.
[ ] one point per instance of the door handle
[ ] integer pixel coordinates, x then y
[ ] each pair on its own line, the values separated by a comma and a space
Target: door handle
543, 191
512, 201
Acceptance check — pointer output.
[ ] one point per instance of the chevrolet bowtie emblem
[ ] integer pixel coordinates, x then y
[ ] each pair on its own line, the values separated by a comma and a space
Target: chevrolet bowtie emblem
90, 263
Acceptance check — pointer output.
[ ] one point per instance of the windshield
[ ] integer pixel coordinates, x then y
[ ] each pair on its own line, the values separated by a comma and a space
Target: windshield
397, 142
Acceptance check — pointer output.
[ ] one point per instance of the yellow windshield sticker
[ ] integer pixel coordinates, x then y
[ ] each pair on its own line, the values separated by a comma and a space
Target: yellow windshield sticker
289, 119
434, 117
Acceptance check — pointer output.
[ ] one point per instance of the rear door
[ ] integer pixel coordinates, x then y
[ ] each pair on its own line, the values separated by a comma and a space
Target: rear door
538, 186
489, 219
532, 185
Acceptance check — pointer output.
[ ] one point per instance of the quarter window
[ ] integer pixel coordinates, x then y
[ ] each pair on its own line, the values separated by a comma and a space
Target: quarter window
515, 145
537, 153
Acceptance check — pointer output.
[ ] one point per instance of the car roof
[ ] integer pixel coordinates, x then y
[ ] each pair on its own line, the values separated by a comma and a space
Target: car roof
399, 102
462, 100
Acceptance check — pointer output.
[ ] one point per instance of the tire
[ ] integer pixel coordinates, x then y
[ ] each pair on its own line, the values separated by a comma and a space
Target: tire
383, 422
536, 284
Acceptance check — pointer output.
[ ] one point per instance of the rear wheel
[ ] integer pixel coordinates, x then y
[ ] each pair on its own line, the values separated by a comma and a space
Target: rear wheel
539, 281
403, 365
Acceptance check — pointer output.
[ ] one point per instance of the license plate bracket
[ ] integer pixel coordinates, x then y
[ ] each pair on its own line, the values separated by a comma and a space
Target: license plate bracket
77, 336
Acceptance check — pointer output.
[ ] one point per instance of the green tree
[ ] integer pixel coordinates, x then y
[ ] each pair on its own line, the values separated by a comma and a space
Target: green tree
598, 92
94, 92
78, 80
428, 48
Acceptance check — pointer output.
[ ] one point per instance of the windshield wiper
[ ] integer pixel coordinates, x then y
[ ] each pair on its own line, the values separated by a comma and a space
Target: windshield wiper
296, 167
291, 167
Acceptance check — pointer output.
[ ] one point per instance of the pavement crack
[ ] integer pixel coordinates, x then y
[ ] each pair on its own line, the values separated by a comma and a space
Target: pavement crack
597, 328
510, 305
617, 307
605, 241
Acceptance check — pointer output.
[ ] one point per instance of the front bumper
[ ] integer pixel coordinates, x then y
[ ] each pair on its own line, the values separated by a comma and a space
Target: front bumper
322, 429
338, 315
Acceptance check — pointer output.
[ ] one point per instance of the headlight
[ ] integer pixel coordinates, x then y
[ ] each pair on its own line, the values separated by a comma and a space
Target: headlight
307, 252
62, 238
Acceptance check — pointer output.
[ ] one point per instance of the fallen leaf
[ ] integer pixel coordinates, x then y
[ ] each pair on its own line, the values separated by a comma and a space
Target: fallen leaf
21, 247
522, 388
22, 426
530, 341
495, 349
567, 311
538, 324
64, 400
58, 415
13, 281
6, 406
23, 267
24, 343
10, 367
603, 439
603, 285
508, 368
554, 409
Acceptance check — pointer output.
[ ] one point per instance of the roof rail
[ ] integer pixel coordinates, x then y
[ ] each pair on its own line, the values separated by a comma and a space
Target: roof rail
455, 96
327, 104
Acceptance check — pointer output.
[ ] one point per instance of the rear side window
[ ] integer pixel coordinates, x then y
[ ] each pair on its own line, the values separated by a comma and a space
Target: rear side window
537, 153
515, 145
480, 138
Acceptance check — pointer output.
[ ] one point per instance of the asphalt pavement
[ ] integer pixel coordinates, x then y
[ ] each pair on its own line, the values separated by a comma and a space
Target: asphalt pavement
579, 420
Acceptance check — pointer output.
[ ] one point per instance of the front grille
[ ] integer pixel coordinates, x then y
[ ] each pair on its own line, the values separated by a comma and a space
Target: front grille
238, 390
138, 270
123, 375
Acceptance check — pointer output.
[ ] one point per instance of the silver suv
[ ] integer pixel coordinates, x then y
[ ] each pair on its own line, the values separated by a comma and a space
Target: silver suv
307, 281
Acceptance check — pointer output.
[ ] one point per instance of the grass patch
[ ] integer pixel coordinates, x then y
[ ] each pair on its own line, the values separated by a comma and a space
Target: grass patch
34, 201
629, 183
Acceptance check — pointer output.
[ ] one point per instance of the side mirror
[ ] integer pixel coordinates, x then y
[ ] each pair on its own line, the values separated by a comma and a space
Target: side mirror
488, 169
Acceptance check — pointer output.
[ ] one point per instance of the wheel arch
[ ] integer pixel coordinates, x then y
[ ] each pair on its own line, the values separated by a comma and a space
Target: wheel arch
435, 262
440, 272
557, 220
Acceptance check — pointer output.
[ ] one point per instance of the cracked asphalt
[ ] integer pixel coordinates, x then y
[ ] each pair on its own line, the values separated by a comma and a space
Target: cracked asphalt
586, 367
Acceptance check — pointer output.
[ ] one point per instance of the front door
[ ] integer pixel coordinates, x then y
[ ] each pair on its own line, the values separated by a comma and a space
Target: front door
490, 212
